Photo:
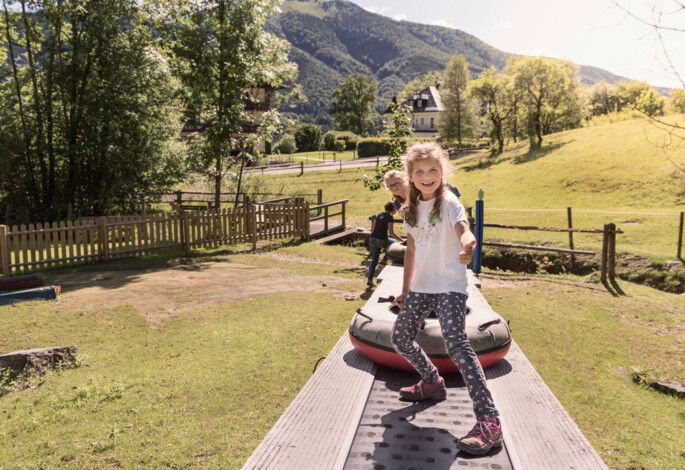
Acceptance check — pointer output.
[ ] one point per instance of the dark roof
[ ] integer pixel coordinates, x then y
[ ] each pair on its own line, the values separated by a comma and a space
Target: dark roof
430, 101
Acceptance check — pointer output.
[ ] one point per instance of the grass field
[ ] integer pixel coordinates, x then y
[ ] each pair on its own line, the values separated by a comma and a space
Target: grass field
188, 362
312, 158
610, 172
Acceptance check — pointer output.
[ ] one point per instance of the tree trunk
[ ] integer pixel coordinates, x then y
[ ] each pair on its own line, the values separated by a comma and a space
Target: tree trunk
46, 196
33, 187
240, 179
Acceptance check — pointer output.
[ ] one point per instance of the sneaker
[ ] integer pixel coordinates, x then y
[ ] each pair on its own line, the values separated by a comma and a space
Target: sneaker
425, 391
486, 434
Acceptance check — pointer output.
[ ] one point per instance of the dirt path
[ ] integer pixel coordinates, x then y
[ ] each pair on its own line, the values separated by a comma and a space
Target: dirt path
161, 293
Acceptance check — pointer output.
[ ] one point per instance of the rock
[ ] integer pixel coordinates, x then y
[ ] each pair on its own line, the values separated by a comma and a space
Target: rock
673, 264
37, 360
671, 388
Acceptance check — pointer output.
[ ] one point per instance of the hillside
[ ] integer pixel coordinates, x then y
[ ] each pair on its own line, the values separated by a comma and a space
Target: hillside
606, 173
332, 39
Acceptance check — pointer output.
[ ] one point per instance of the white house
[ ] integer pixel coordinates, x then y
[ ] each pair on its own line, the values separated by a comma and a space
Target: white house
425, 108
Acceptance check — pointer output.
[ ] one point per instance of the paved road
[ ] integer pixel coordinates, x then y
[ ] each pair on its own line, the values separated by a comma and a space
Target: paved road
326, 166
329, 166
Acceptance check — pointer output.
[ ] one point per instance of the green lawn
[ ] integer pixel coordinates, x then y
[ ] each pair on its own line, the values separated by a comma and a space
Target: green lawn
611, 172
313, 158
202, 387
586, 343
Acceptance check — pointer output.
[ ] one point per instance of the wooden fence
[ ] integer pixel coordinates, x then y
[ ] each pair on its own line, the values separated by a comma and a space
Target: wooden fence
608, 242
36, 247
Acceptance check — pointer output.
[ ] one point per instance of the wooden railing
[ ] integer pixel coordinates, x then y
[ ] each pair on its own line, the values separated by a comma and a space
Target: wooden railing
35, 247
328, 215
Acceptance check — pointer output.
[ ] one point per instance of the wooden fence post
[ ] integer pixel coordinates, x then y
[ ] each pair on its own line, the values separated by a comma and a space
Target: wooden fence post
612, 252
185, 223
301, 169
680, 235
103, 238
343, 213
4, 250
570, 234
253, 225
307, 224
605, 247
319, 200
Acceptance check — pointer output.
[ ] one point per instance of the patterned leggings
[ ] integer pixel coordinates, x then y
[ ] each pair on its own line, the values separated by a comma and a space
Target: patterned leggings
450, 309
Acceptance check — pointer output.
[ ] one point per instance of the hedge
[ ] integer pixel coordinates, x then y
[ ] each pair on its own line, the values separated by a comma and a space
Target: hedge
348, 138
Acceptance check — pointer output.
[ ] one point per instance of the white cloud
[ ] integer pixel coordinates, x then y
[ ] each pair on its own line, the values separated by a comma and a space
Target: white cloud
400, 17
503, 25
442, 22
378, 11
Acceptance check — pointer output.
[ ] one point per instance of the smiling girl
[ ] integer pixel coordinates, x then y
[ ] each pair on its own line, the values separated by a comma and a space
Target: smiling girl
439, 246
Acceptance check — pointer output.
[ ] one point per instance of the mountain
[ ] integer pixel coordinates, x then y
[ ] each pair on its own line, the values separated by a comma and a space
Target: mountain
332, 39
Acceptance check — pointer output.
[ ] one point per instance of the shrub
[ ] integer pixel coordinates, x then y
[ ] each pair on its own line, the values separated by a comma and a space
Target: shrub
350, 142
373, 147
349, 138
308, 137
286, 144
339, 145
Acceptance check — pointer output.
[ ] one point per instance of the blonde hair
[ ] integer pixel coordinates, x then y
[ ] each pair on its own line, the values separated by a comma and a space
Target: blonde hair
397, 174
416, 153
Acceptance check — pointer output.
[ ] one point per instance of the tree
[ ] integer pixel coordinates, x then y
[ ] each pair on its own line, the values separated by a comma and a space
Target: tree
549, 90
678, 100
628, 93
89, 119
457, 120
651, 103
418, 84
351, 104
493, 92
602, 99
308, 137
223, 53
399, 128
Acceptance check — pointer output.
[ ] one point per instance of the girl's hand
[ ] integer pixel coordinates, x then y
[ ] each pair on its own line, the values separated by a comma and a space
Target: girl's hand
466, 255
399, 300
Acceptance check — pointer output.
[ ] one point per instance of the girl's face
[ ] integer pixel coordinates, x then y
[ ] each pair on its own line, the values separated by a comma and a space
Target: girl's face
396, 186
427, 177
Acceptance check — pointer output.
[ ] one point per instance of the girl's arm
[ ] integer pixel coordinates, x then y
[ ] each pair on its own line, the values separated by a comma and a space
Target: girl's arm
467, 240
409, 270
392, 233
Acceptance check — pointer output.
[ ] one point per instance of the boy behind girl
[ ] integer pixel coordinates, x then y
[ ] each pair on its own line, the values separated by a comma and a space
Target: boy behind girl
379, 239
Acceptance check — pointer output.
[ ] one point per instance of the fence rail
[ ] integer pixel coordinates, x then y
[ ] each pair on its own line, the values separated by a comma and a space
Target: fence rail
327, 229
35, 247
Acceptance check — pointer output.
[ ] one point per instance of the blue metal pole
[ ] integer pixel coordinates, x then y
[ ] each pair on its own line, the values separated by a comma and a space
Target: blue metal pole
478, 253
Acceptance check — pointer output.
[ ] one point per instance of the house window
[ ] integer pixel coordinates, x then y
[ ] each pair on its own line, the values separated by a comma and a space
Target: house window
422, 121
418, 103
432, 123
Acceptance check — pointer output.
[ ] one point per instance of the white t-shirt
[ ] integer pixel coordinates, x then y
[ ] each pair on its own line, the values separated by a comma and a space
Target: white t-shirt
438, 268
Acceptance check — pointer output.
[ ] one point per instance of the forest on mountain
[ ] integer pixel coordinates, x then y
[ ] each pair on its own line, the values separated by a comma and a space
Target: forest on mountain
332, 39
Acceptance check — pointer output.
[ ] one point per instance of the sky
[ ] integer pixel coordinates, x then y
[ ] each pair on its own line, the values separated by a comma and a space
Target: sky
586, 32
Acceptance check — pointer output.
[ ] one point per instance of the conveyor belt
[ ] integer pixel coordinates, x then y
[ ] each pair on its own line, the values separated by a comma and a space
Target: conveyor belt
401, 435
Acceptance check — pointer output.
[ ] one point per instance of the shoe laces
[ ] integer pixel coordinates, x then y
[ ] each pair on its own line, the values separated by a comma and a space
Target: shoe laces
484, 430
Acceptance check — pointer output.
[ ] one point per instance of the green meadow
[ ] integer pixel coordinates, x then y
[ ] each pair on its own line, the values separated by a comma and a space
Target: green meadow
187, 362
613, 172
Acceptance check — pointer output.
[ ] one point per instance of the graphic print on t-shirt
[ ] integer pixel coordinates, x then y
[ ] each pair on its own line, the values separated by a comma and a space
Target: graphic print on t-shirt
427, 233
